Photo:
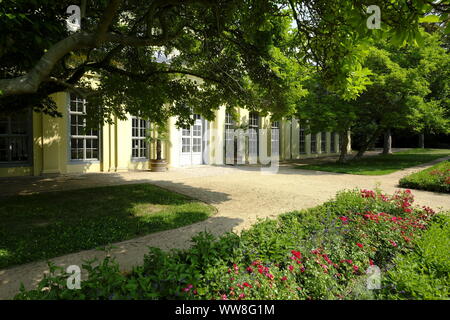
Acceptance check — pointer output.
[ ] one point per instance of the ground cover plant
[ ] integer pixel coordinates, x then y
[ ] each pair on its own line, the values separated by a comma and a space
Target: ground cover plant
435, 178
42, 226
381, 164
319, 253
425, 272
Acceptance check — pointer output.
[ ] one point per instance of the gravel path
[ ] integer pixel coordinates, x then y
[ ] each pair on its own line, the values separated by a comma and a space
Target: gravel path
242, 195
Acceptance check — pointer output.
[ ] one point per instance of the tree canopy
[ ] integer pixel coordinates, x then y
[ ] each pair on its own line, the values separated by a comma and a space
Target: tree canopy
252, 53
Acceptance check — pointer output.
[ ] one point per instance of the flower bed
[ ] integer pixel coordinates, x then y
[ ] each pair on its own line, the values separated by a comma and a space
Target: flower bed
319, 253
435, 178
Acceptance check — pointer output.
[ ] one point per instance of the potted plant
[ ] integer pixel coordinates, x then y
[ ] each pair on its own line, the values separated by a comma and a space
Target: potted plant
159, 164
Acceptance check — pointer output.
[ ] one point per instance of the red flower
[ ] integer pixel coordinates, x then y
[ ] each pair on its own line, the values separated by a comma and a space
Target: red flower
241, 296
371, 262
394, 244
359, 244
223, 297
344, 219
355, 267
297, 254
248, 285
250, 269
291, 268
284, 278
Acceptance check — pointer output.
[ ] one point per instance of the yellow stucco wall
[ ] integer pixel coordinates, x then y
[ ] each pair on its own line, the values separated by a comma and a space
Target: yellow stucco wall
51, 144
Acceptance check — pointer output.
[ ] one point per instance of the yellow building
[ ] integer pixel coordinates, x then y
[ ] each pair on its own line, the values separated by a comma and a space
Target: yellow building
37, 144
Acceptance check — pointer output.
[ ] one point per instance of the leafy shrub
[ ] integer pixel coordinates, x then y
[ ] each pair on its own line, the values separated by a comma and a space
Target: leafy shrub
425, 272
319, 253
435, 178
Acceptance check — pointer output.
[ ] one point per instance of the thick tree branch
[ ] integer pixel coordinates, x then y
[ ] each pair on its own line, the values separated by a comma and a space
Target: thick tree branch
29, 83
106, 20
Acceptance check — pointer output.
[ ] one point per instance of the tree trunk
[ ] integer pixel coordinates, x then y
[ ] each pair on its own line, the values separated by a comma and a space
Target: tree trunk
369, 142
158, 150
343, 136
422, 140
387, 145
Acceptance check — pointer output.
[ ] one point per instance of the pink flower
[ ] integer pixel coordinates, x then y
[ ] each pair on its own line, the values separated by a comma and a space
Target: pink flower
355, 268
241, 296
291, 268
270, 276
284, 278
359, 244
224, 297
394, 244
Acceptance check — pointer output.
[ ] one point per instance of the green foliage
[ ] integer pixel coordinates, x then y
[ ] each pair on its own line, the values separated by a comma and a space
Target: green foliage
43, 226
319, 253
435, 178
425, 272
233, 53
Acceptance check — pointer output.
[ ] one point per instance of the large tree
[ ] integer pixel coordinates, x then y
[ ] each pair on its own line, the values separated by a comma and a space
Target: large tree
235, 49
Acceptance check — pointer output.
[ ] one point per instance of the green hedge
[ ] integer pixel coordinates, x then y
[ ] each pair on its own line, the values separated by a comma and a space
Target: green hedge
319, 253
425, 272
435, 178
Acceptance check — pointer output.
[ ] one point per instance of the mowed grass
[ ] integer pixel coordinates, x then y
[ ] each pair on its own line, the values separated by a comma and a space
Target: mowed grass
382, 164
43, 226
435, 178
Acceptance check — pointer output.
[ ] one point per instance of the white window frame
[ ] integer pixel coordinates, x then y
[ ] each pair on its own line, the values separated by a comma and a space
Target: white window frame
13, 138
301, 140
143, 149
82, 137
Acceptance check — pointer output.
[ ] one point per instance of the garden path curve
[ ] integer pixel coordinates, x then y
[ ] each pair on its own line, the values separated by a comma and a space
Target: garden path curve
242, 195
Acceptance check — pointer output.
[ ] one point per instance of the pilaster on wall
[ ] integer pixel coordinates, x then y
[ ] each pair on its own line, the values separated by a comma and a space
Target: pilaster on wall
53, 135
110, 148
264, 140
308, 145
217, 138
286, 139
122, 144
37, 143
295, 145
329, 137
174, 149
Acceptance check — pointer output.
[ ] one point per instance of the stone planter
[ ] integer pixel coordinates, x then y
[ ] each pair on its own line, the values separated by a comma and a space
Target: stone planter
158, 165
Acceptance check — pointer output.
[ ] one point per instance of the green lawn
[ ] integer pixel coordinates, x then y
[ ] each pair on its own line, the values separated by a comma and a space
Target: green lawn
435, 178
42, 226
382, 164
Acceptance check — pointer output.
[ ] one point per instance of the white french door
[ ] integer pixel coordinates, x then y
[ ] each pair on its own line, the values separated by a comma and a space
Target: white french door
191, 143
